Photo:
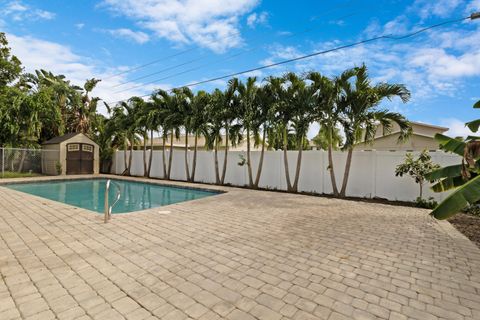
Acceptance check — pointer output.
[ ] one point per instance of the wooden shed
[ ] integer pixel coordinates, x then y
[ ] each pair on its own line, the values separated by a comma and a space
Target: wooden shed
77, 154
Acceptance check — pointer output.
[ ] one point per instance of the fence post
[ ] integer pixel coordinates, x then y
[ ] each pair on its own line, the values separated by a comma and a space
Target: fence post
3, 162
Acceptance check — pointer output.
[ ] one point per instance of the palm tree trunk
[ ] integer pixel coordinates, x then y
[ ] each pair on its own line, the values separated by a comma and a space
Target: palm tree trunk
194, 165
125, 159
187, 172
421, 189
164, 160
249, 162
151, 154
332, 171
170, 156
130, 156
348, 164
285, 159
224, 171
260, 162
217, 173
145, 169
299, 164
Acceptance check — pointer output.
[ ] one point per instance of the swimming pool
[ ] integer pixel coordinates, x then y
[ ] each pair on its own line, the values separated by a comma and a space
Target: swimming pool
89, 194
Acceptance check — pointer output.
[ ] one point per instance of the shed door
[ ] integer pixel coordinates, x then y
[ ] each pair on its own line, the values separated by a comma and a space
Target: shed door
79, 158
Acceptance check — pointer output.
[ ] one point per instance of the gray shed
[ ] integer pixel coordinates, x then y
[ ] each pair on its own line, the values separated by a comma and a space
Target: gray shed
76, 153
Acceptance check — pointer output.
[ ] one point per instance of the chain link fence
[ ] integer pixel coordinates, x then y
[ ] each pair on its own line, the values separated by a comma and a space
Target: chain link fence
17, 162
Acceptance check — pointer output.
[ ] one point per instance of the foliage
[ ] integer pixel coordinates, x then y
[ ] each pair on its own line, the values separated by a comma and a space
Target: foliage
322, 139
464, 178
418, 168
10, 174
473, 209
58, 167
429, 203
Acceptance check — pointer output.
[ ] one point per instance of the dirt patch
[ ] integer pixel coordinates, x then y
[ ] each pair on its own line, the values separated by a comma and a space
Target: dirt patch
468, 225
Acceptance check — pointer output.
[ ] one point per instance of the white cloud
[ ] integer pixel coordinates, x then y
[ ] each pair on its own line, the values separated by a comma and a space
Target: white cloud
37, 54
79, 26
438, 8
456, 127
438, 63
137, 36
474, 5
209, 23
257, 19
18, 11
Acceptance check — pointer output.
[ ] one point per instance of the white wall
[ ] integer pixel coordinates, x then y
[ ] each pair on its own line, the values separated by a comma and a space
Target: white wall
372, 173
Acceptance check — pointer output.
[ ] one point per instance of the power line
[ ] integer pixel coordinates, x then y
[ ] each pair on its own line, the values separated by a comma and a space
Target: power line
206, 64
341, 5
390, 37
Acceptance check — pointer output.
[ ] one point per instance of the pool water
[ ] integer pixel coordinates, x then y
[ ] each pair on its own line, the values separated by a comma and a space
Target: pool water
89, 194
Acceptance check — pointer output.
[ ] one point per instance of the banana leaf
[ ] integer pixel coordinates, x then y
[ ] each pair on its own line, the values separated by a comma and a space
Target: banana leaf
459, 199
445, 172
473, 125
450, 144
448, 183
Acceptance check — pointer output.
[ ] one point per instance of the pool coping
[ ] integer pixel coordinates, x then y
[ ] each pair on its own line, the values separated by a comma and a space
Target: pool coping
153, 181
217, 190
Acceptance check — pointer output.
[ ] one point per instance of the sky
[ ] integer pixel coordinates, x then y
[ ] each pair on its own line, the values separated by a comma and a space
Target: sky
137, 46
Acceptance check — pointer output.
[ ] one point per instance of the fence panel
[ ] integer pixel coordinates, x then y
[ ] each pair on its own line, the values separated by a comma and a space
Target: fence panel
372, 173
16, 162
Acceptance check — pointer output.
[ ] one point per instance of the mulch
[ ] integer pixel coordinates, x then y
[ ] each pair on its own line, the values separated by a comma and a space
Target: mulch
469, 225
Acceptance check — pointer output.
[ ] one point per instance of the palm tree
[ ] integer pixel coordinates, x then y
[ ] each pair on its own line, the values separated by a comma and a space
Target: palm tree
263, 122
85, 110
215, 125
249, 113
127, 126
173, 121
327, 112
302, 100
223, 114
359, 101
197, 122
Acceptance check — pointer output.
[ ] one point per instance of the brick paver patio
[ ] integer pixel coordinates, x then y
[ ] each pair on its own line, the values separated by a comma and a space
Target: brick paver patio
240, 255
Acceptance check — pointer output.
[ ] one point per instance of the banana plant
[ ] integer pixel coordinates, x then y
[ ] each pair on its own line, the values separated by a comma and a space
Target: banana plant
464, 178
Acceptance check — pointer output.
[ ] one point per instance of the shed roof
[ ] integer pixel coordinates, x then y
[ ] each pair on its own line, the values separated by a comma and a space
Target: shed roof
60, 139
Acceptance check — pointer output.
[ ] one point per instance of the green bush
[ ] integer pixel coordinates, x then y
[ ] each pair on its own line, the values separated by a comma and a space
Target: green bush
429, 203
473, 210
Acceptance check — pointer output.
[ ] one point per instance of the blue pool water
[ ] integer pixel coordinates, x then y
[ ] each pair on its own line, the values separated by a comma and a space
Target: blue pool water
89, 194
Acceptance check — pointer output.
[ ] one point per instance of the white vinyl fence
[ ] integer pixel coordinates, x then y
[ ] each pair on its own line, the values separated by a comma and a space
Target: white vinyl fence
17, 160
372, 173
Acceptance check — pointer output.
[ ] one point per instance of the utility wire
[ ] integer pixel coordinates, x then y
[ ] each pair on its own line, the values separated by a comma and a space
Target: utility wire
390, 37
341, 5
206, 64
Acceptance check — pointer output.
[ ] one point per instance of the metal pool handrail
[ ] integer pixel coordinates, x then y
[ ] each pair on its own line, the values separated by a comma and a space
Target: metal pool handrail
107, 208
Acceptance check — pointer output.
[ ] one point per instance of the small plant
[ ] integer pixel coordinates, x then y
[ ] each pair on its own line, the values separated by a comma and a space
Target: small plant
242, 160
418, 168
58, 167
473, 209
429, 203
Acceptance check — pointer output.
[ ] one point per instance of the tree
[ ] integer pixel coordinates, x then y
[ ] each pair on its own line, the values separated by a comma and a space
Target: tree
10, 65
322, 139
249, 113
197, 123
294, 101
418, 168
463, 178
327, 111
358, 102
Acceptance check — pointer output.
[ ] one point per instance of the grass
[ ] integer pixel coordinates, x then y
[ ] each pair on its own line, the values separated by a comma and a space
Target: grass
9, 174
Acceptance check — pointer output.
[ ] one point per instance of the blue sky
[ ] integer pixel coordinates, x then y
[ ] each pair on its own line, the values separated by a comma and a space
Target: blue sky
84, 39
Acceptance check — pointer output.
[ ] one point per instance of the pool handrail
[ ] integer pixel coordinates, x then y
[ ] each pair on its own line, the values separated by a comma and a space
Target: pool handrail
107, 208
